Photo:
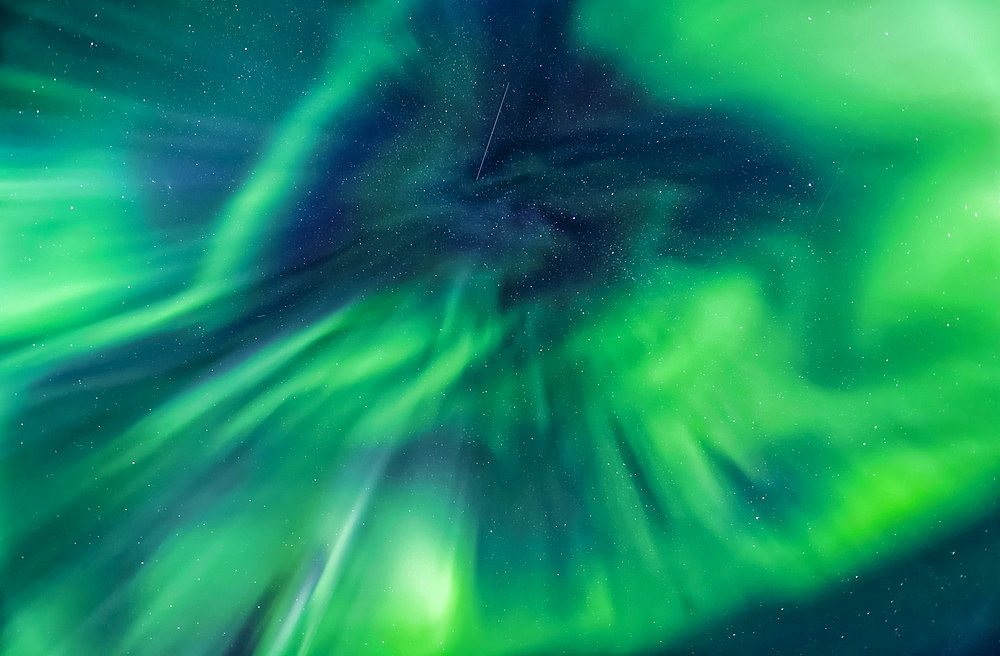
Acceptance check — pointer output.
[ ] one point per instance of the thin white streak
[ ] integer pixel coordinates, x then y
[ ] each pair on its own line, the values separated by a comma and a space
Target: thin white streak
490, 140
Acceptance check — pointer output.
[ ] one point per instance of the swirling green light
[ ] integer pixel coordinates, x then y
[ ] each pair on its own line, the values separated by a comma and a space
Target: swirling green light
436, 436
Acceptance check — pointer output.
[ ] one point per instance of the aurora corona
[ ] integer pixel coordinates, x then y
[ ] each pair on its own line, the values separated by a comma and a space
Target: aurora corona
703, 359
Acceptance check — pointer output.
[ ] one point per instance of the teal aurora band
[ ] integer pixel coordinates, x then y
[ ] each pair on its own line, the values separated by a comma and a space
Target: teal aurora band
705, 359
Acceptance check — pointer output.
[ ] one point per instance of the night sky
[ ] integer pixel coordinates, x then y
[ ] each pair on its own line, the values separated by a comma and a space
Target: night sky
506, 328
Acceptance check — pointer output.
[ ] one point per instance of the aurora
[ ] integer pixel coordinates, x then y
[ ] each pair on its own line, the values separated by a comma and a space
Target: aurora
703, 359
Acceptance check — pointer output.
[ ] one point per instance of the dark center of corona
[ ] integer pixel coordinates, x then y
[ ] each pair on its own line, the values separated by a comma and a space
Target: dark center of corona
583, 175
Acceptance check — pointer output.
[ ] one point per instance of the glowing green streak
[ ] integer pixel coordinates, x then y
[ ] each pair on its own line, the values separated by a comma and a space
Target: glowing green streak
247, 220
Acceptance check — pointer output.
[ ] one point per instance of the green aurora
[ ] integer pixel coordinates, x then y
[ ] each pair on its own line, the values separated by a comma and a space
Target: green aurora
707, 362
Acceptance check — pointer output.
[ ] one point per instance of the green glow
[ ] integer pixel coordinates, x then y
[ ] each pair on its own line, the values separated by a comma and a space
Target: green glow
258, 395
